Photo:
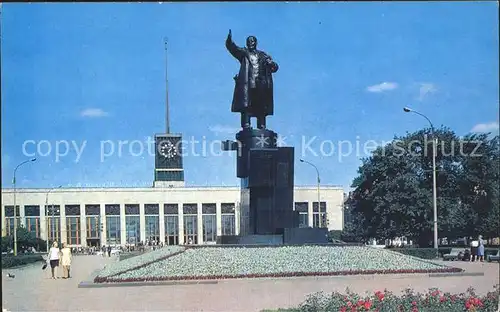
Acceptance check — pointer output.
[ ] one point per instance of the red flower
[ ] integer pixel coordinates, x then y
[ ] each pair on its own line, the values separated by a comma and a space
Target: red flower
473, 302
477, 302
368, 305
442, 299
380, 295
414, 303
343, 309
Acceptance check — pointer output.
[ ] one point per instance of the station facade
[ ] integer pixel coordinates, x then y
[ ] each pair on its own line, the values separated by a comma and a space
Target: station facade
126, 216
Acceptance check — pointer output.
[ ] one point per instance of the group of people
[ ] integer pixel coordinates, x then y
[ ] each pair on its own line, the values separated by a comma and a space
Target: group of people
476, 251
60, 258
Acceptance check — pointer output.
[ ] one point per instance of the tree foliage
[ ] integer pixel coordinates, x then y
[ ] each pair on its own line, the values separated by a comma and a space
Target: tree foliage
25, 239
393, 190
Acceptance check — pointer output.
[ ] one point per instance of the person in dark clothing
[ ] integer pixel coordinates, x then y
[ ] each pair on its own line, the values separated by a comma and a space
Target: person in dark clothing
466, 256
109, 251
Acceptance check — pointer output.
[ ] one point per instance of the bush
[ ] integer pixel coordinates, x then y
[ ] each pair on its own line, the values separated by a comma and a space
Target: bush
9, 261
334, 235
422, 253
384, 301
430, 253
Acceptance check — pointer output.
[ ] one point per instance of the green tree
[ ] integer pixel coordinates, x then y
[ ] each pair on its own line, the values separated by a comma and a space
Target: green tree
25, 240
353, 231
7, 243
393, 189
479, 193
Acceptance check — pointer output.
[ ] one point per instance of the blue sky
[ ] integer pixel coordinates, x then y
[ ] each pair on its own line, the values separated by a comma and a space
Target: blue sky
90, 72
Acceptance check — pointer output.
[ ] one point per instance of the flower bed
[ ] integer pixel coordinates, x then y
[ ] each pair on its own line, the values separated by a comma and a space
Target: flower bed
384, 301
219, 263
138, 262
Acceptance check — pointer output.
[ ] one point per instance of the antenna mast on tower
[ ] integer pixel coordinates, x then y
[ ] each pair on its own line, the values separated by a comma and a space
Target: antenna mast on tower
166, 86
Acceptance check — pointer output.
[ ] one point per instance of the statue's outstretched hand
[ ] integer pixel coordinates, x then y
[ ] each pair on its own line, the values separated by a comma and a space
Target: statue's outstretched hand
230, 35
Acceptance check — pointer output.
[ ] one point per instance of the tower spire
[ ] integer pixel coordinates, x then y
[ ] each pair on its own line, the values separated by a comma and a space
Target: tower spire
167, 106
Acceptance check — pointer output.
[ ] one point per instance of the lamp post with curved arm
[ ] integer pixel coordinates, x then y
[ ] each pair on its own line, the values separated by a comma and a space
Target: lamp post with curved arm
434, 183
15, 212
52, 214
319, 181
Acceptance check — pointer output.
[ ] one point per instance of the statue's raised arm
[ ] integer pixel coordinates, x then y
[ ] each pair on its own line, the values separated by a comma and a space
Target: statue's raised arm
235, 51
272, 64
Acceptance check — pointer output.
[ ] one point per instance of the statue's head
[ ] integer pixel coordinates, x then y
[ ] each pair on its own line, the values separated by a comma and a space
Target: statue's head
251, 43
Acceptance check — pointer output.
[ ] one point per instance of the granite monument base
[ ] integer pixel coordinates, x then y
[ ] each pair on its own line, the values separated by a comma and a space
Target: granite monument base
290, 236
266, 172
266, 199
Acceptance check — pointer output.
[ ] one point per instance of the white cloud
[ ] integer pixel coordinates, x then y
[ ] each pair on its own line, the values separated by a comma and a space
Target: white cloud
222, 129
384, 86
93, 113
485, 127
425, 90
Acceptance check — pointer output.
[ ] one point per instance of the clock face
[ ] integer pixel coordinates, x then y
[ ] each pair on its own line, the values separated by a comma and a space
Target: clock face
168, 152
168, 149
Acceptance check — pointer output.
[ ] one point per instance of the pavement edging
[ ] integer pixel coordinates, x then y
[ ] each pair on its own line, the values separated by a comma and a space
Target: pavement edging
90, 284
456, 274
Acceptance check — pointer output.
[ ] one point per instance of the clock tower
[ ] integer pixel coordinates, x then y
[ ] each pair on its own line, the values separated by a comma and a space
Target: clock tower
168, 150
169, 170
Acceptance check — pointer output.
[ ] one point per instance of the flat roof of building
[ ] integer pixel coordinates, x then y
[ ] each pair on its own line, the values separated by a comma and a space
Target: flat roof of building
152, 189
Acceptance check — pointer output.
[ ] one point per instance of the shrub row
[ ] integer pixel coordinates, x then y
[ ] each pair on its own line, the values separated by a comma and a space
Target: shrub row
275, 275
384, 301
422, 253
9, 261
430, 253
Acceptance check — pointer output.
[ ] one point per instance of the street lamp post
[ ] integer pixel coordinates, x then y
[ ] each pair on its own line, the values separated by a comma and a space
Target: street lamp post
319, 181
15, 212
434, 182
52, 214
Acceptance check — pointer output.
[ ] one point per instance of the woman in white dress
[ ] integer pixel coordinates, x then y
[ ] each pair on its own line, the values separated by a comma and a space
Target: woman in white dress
66, 260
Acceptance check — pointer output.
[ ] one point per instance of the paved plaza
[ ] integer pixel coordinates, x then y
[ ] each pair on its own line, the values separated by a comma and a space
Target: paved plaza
33, 290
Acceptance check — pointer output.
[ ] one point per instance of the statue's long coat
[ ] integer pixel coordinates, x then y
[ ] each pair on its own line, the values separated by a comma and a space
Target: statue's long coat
241, 97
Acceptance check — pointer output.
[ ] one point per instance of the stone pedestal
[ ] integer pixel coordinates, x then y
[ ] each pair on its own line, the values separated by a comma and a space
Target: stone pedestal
248, 139
266, 173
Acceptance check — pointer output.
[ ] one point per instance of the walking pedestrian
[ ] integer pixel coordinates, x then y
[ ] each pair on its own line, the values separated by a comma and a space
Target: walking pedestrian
480, 249
474, 246
66, 260
54, 256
